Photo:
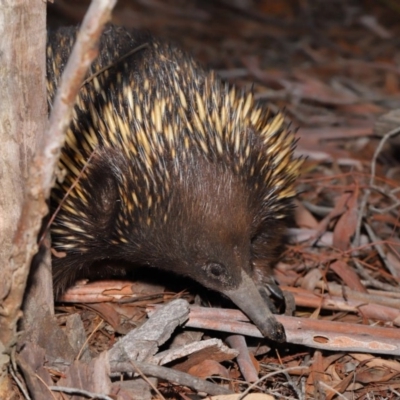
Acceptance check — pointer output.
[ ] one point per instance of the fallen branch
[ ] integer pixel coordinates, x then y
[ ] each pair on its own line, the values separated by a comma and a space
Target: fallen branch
170, 375
318, 334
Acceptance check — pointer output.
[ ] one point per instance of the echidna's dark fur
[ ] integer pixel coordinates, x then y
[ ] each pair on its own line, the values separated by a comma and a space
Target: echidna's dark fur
186, 173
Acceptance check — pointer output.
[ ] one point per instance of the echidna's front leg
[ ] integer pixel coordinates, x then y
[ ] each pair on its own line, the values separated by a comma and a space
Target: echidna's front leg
278, 301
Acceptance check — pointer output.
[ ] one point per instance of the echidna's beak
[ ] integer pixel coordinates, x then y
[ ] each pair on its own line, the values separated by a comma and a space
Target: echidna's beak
249, 300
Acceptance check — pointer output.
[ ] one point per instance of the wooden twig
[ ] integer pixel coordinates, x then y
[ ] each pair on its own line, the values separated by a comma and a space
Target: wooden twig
305, 298
379, 248
81, 392
367, 192
170, 375
318, 334
369, 281
149, 382
264, 378
238, 342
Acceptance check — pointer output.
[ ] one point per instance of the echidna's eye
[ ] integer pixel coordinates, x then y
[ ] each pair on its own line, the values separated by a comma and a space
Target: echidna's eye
214, 269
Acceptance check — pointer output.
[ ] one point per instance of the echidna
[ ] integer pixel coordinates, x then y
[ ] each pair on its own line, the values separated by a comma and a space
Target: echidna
181, 172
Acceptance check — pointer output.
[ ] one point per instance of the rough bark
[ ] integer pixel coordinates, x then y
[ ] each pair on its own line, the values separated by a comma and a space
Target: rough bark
31, 151
22, 120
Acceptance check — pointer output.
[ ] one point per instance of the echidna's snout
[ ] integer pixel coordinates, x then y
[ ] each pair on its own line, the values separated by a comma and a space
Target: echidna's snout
247, 297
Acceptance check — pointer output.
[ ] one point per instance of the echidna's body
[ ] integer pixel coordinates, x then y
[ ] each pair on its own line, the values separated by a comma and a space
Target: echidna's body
185, 174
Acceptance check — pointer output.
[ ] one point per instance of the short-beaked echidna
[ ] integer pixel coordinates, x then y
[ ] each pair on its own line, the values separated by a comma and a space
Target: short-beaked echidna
183, 173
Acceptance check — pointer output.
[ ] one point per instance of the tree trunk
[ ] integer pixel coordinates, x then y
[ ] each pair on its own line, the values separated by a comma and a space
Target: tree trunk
23, 118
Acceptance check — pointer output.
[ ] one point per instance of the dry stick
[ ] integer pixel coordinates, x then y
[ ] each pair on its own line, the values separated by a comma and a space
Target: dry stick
44, 163
265, 377
150, 383
384, 294
368, 310
170, 375
81, 392
363, 206
357, 237
289, 378
379, 248
345, 294
21, 387
100, 71
395, 392
32, 381
246, 366
325, 386
88, 338
319, 334
368, 281
388, 135
38, 377
391, 195
83, 54
384, 139
387, 210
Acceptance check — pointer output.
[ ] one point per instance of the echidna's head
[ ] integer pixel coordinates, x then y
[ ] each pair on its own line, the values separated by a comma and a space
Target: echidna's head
211, 235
